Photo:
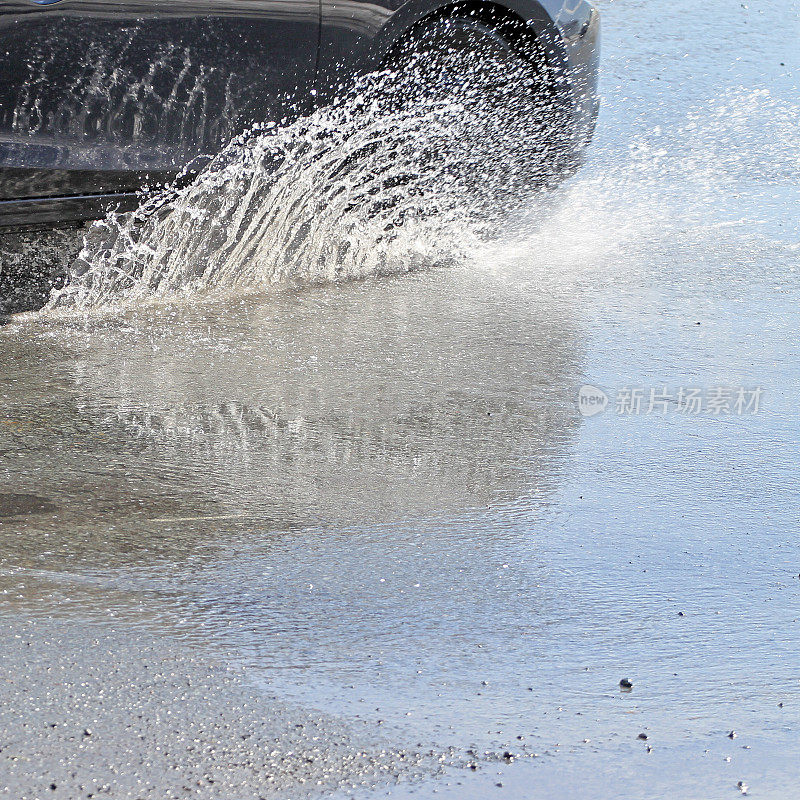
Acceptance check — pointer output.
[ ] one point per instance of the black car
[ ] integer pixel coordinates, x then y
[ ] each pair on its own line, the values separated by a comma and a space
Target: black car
100, 97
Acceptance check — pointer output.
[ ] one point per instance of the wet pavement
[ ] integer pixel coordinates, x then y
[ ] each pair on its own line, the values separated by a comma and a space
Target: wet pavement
379, 503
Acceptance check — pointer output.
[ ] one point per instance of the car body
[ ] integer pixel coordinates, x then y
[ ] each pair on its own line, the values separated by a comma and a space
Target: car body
99, 98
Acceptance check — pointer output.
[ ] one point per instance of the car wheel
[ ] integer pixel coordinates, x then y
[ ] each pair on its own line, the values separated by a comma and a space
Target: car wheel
511, 133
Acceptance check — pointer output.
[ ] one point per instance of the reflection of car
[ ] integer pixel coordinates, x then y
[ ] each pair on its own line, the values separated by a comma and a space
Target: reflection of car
100, 97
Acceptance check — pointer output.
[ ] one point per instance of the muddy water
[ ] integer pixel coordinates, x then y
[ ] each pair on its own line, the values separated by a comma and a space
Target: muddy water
380, 497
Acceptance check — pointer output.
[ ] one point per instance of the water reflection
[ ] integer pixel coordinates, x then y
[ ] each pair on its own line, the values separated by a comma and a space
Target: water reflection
179, 433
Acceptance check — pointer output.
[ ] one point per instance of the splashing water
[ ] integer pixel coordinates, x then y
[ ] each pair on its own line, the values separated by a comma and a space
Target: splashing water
408, 168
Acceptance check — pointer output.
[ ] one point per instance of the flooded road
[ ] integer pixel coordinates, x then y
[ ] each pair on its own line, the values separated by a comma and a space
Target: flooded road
377, 509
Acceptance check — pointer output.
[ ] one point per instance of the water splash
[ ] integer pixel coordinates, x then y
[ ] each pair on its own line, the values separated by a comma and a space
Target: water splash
408, 168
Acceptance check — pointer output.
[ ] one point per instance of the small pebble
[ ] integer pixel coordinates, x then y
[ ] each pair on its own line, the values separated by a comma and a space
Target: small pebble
625, 685
642, 736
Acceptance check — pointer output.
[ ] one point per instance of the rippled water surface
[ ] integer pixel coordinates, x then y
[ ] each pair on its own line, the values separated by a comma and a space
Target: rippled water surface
380, 496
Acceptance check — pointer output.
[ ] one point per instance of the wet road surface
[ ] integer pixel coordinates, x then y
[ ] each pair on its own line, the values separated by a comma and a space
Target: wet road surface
380, 505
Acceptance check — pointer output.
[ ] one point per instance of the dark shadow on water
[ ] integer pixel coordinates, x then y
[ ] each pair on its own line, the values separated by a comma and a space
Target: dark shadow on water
16, 505
32, 263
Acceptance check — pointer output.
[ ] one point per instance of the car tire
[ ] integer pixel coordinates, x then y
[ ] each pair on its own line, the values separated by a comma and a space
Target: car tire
497, 73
